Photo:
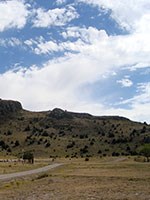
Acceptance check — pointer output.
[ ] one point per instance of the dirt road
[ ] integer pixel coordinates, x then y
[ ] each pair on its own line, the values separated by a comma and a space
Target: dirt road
30, 172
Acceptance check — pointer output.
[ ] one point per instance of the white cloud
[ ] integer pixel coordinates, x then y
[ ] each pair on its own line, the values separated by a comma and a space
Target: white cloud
139, 104
137, 112
126, 13
13, 14
57, 83
116, 51
54, 17
88, 35
10, 42
139, 65
125, 82
29, 42
83, 39
144, 90
48, 47
59, 2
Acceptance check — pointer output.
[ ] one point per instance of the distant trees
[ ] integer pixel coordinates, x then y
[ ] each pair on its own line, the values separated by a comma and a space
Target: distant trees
145, 151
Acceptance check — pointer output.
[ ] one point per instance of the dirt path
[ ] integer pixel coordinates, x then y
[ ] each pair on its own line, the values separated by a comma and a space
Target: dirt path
30, 172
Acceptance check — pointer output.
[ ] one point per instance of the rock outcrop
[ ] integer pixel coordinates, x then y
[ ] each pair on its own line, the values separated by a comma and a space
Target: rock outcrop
8, 107
58, 113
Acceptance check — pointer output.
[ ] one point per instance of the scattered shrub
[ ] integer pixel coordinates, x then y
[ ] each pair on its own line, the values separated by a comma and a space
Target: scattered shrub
47, 144
45, 175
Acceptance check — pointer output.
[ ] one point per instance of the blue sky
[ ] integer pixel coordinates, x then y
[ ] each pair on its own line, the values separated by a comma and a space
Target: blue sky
84, 55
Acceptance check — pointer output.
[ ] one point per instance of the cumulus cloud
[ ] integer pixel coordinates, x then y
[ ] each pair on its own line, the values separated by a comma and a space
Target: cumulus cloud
54, 17
88, 35
13, 14
53, 85
116, 51
84, 37
57, 85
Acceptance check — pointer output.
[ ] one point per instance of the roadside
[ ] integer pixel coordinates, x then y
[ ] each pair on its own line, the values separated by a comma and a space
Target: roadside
30, 172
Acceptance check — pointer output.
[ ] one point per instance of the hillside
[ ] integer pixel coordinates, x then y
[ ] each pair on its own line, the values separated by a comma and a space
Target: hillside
62, 133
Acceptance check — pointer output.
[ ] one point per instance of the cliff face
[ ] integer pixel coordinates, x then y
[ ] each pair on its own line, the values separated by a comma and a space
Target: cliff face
8, 107
58, 113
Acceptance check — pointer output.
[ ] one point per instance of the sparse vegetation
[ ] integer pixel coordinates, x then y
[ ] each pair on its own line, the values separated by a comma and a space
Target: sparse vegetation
69, 133
41, 176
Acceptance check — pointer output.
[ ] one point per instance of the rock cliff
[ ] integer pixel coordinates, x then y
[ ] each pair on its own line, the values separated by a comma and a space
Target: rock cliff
8, 107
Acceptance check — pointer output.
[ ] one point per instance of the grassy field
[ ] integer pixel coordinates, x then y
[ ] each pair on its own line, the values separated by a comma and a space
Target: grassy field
104, 179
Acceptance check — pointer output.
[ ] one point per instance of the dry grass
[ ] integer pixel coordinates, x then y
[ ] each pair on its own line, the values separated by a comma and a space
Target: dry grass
101, 179
11, 167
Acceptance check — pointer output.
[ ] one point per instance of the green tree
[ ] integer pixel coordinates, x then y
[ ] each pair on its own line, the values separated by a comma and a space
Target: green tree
145, 151
28, 156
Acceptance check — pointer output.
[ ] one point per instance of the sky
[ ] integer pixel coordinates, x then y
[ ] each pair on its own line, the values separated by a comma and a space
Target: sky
79, 55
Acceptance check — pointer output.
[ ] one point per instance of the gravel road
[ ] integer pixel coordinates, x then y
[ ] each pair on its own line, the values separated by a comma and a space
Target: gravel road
30, 172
